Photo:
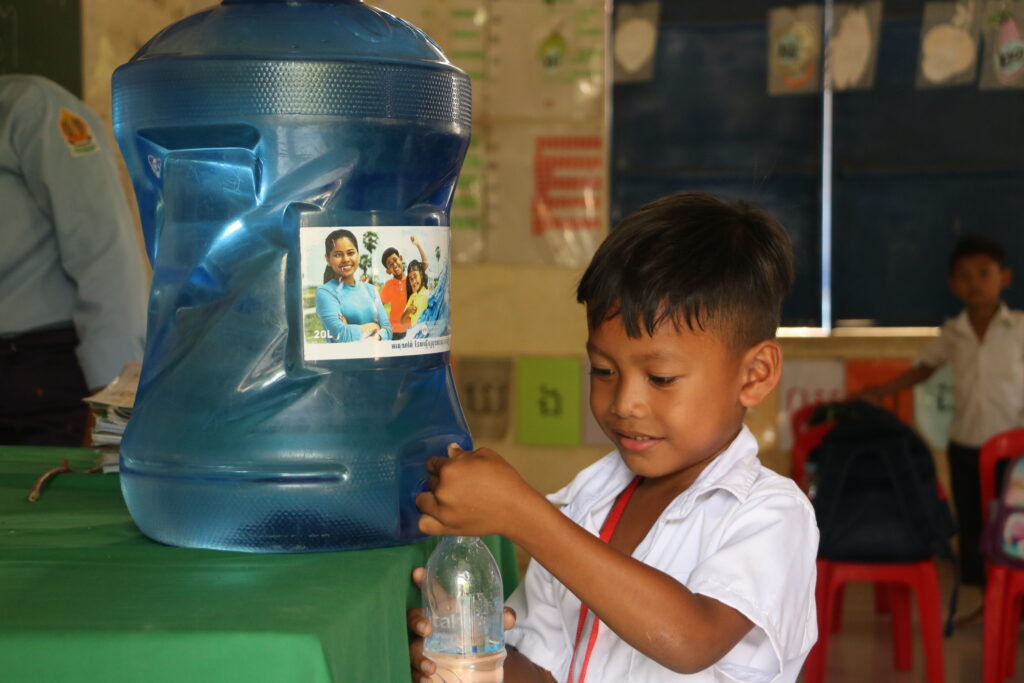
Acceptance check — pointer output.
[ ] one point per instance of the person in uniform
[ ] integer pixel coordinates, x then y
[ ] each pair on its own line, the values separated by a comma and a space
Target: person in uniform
72, 281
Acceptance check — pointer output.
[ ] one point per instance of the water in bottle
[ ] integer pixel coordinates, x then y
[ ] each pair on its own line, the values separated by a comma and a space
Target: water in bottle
463, 598
278, 149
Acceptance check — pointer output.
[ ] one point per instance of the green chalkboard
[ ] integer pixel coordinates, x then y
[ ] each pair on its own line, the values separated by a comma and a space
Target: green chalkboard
43, 37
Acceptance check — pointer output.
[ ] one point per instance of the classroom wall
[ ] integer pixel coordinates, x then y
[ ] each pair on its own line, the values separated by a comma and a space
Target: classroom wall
510, 311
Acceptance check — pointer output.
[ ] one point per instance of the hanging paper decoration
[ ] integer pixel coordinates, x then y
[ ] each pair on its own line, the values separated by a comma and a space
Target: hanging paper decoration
794, 49
484, 389
853, 48
1003, 61
636, 37
949, 44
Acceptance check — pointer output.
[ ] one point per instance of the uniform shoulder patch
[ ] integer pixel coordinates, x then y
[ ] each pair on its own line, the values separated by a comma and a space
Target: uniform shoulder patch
76, 133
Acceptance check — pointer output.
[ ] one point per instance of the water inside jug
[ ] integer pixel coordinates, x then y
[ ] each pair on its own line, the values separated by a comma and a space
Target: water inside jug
256, 132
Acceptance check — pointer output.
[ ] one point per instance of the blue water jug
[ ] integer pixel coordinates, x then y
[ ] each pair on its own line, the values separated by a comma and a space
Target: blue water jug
294, 163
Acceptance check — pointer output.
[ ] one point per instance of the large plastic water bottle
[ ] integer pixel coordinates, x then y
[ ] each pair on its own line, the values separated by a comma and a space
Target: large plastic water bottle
463, 598
278, 149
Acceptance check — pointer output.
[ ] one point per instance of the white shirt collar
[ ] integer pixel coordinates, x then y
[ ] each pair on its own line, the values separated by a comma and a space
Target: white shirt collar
734, 470
963, 322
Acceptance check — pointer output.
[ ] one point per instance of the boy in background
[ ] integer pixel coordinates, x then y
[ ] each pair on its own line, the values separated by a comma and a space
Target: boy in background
985, 345
709, 571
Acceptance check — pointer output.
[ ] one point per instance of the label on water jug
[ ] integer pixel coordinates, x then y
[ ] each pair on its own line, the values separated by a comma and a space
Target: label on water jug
375, 291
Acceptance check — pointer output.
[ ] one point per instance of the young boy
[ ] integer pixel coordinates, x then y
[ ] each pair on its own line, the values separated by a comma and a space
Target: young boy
985, 344
393, 293
709, 571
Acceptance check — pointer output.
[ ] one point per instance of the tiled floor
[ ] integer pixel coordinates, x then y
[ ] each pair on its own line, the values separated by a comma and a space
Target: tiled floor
862, 651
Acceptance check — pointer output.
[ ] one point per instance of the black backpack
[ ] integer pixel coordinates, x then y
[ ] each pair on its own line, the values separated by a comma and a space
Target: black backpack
876, 497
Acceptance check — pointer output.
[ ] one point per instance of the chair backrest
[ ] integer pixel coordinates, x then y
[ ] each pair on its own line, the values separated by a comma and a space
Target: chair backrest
805, 439
1001, 446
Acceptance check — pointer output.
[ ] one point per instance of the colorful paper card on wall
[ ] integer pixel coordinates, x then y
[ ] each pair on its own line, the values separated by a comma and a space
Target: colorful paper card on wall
635, 41
548, 401
592, 434
546, 60
805, 382
949, 44
469, 202
933, 406
484, 385
853, 49
794, 49
1002, 65
862, 373
546, 196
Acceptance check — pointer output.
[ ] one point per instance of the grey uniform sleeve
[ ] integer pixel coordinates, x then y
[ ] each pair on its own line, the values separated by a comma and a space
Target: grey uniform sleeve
71, 170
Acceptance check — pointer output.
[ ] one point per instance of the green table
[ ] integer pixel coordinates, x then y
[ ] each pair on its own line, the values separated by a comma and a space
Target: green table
84, 596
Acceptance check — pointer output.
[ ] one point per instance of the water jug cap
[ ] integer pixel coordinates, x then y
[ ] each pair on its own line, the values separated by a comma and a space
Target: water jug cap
293, 29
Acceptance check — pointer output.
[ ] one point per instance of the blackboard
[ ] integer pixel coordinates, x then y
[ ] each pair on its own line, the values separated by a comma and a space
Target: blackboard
913, 169
42, 37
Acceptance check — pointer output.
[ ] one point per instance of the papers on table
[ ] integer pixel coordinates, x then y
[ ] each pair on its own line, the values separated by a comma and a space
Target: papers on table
111, 410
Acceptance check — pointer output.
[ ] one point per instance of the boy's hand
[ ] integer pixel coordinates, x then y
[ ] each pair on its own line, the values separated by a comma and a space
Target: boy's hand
419, 628
473, 493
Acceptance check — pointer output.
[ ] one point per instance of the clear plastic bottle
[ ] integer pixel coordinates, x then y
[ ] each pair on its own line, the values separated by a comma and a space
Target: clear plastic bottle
463, 598
251, 130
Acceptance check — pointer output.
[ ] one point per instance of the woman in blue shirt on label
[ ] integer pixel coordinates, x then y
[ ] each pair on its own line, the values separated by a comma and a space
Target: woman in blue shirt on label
349, 310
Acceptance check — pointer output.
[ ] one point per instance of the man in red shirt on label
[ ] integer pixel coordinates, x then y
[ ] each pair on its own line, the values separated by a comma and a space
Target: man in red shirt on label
394, 293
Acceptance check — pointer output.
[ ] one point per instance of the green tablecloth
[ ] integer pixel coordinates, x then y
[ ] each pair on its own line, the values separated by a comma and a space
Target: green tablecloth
84, 596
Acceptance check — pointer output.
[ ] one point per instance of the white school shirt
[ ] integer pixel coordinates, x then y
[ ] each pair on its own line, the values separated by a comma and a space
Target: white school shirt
741, 534
988, 376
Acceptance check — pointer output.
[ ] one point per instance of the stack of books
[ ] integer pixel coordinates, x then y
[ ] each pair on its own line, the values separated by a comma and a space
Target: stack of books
111, 409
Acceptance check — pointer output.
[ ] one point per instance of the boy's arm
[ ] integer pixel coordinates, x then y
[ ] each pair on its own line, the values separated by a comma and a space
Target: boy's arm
897, 384
650, 610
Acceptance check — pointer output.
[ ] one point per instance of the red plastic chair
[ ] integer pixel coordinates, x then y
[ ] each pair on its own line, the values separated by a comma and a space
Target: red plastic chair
1004, 586
898, 579
805, 439
892, 585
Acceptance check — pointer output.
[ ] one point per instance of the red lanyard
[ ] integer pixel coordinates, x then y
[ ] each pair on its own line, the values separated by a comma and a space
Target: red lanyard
607, 529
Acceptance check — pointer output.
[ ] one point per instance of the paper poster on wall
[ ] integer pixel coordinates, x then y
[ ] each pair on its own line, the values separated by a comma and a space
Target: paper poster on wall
546, 193
546, 59
933, 406
548, 401
459, 29
347, 292
469, 204
484, 386
635, 39
949, 44
805, 382
464, 38
853, 49
1002, 65
794, 49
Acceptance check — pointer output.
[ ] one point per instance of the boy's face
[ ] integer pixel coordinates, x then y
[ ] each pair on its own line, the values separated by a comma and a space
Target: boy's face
671, 401
395, 266
978, 280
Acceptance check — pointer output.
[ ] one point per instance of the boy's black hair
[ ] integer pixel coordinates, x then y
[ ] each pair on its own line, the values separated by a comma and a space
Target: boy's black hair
386, 255
694, 259
974, 245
